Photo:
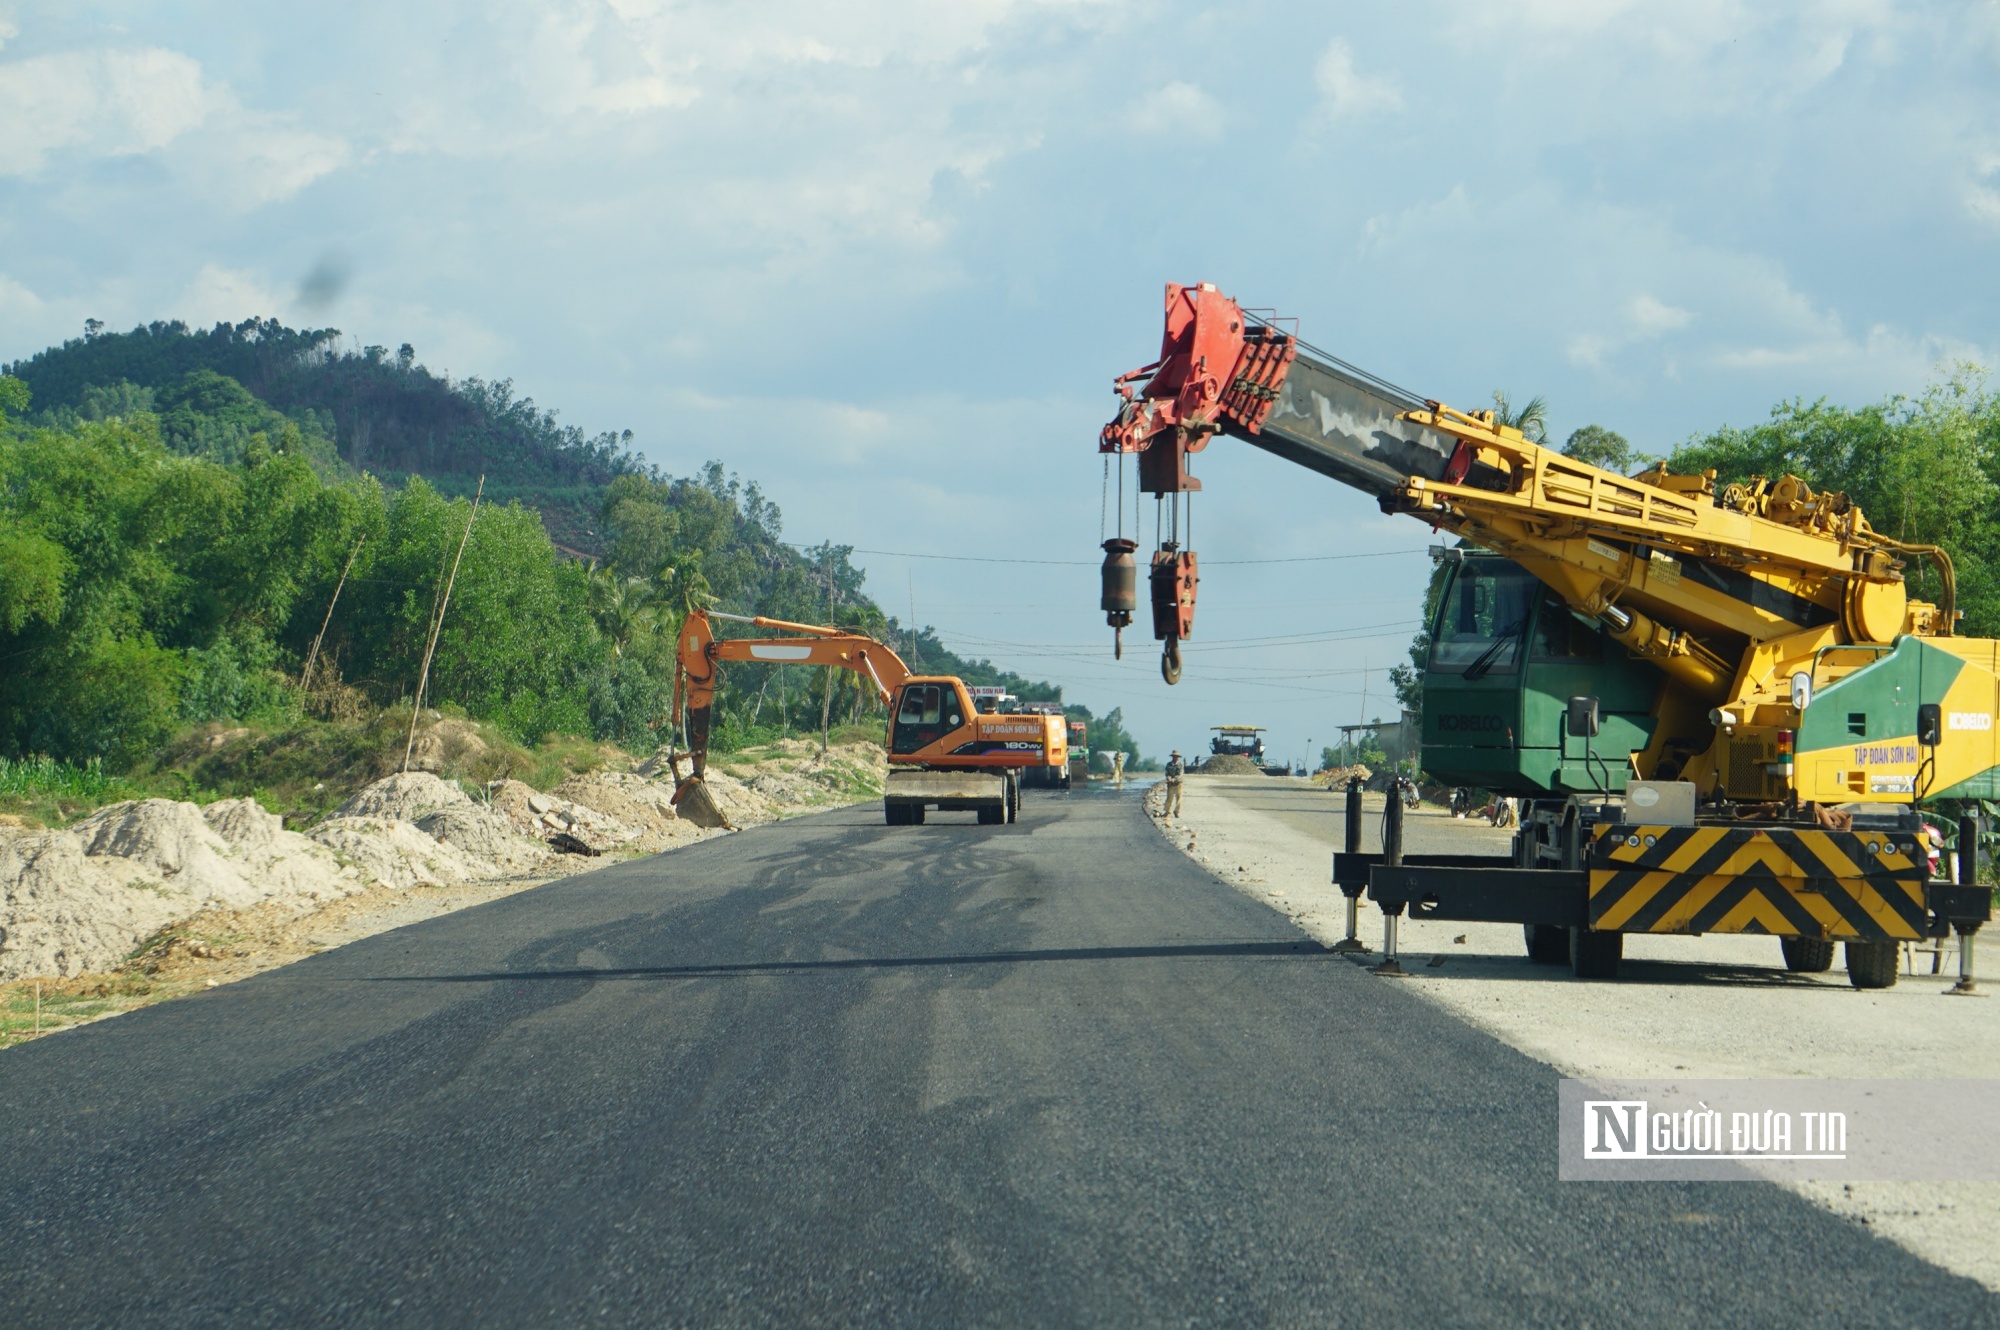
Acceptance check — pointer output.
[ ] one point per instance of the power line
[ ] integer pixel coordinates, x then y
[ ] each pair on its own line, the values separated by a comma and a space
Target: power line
1083, 563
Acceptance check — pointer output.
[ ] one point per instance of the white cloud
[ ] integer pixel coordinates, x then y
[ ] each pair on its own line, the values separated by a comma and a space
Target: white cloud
228, 295
1176, 108
110, 103
124, 103
1345, 90
1982, 200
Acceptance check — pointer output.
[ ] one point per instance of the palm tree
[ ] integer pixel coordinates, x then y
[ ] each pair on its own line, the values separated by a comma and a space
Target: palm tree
1532, 419
622, 606
682, 588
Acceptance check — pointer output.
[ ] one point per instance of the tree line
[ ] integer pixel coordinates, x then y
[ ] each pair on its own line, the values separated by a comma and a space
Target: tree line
174, 547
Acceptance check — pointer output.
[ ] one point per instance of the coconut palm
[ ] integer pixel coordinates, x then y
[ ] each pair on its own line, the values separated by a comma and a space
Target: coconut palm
1532, 419
622, 606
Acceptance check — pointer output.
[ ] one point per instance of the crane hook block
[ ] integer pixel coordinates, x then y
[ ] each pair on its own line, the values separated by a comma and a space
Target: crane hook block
1172, 582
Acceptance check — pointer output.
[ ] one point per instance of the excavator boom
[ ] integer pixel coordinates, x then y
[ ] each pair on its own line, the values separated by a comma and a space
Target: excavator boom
698, 657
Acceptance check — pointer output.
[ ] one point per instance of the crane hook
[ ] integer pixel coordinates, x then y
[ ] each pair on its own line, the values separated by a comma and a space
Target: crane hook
1170, 661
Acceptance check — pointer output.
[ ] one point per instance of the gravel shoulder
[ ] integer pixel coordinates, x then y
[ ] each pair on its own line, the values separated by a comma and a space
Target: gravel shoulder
1716, 1007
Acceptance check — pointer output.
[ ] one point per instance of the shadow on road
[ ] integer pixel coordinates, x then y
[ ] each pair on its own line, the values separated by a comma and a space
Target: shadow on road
1297, 949
1659, 973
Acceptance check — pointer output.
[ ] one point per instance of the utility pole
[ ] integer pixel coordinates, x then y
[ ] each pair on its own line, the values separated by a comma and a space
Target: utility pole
312, 657
437, 625
826, 704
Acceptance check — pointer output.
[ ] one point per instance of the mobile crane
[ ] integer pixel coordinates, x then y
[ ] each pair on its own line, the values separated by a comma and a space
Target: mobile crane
943, 752
1719, 702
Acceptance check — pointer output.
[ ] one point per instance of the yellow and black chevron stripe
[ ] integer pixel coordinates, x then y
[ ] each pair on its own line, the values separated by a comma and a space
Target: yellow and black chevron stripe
1797, 882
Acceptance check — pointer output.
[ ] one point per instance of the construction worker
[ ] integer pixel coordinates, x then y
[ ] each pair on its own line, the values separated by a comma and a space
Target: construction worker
1175, 770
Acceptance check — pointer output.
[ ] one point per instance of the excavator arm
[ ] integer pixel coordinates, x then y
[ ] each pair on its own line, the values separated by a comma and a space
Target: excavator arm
697, 674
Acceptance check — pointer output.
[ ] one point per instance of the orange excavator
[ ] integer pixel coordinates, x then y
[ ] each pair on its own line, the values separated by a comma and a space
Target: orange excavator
943, 752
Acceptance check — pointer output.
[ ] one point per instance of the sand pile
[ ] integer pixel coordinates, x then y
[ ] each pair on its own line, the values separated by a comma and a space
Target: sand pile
84, 898
1230, 764
532, 813
408, 795
645, 806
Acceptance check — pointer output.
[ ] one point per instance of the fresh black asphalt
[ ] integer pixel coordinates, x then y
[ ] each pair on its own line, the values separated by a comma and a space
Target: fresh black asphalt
833, 1073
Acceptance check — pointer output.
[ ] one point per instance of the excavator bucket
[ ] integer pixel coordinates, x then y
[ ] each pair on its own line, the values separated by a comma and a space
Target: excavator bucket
695, 804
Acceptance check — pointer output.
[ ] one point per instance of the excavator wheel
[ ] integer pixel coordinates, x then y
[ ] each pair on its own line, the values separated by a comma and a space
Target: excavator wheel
1170, 661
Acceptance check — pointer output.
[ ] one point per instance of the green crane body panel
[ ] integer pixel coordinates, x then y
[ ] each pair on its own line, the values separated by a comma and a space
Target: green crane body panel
1506, 657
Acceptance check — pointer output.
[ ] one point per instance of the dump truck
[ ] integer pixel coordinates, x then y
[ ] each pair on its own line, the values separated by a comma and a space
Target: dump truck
944, 753
1719, 703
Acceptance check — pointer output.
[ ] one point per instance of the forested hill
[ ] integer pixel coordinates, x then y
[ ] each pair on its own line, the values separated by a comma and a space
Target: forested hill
184, 514
376, 411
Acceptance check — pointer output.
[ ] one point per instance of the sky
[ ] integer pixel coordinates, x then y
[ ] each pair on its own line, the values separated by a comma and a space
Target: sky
886, 256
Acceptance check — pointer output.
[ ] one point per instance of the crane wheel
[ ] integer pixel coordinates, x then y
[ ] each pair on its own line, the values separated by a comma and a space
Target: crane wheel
992, 817
1170, 661
1807, 955
1595, 955
1547, 944
1872, 964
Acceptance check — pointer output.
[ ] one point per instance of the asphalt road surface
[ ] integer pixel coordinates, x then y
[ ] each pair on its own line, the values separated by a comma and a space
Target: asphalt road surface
833, 1073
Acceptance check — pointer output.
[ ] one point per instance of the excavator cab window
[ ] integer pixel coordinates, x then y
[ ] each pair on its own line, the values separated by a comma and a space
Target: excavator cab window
926, 713
1482, 618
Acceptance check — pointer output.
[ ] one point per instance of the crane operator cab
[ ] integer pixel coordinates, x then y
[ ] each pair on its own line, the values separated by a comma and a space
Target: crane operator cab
1506, 655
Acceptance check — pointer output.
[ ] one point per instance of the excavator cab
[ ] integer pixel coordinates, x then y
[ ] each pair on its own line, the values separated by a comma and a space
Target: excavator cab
926, 711
1506, 656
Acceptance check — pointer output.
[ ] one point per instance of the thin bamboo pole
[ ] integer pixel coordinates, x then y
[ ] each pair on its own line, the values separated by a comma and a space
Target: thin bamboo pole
437, 625
312, 657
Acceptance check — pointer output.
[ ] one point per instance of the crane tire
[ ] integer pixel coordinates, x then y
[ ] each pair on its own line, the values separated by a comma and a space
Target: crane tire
1807, 955
1595, 955
1547, 943
1872, 964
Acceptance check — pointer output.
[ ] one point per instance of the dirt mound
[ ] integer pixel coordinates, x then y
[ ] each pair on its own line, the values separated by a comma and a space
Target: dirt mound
82, 899
389, 852
243, 822
407, 795
645, 806
1230, 764
484, 835
447, 745
543, 816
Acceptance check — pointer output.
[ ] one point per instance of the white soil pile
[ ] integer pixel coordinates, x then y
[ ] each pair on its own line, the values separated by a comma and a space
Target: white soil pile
86, 898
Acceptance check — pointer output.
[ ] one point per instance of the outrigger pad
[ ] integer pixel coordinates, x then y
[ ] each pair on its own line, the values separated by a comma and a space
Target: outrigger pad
695, 804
